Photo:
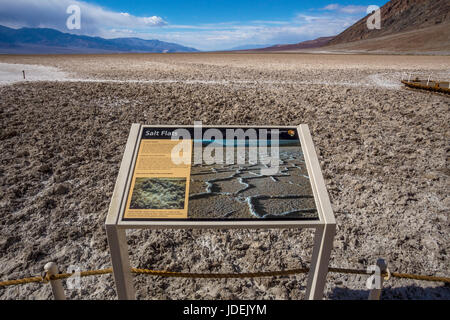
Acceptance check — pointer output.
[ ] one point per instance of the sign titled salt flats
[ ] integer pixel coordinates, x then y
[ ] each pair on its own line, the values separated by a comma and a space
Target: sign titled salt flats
219, 185
220, 173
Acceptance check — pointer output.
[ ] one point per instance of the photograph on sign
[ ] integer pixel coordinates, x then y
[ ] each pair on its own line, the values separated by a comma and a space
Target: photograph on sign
230, 174
158, 193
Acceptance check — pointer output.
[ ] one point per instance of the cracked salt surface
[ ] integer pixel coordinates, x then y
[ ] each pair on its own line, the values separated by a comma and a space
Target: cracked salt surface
12, 73
244, 175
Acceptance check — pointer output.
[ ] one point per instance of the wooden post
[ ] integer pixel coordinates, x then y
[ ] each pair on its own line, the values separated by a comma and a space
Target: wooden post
23, 72
58, 291
375, 293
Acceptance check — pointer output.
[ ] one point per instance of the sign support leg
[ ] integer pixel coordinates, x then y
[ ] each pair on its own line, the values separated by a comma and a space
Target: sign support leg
120, 262
323, 243
375, 293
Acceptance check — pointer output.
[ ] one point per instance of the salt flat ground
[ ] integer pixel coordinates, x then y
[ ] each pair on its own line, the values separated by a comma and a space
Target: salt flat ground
383, 151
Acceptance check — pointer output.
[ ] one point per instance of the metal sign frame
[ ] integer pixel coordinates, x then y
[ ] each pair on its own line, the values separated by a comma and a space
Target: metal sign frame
325, 227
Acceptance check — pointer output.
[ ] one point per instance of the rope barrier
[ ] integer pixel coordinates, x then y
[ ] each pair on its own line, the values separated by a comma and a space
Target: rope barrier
163, 273
219, 275
420, 277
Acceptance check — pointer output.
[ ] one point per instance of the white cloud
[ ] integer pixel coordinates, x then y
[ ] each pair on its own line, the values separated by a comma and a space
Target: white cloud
353, 9
350, 9
209, 37
225, 35
95, 20
331, 7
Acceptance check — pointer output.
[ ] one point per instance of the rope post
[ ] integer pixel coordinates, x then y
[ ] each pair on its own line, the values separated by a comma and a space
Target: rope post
375, 293
58, 291
23, 72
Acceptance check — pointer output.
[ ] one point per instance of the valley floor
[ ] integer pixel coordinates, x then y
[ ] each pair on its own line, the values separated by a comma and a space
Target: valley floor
383, 151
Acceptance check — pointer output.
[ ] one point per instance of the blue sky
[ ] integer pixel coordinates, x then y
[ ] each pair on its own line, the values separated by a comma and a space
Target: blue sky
205, 25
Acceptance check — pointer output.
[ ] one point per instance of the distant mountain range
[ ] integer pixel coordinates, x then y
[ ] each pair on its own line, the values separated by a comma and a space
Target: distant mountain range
407, 26
249, 47
316, 43
48, 41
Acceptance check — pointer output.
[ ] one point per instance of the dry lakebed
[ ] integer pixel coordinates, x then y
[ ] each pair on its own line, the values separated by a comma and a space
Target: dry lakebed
383, 149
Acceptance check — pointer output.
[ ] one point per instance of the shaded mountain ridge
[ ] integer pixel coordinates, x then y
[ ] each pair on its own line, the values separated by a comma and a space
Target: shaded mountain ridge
316, 43
398, 16
407, 26
44, 40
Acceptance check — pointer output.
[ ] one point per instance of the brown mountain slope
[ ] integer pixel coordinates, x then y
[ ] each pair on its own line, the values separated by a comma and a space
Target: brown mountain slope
430, 40
398, 16
316, 43
407, 26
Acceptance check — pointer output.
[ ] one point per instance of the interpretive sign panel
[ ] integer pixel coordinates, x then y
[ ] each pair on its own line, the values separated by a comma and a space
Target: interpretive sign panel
219, 177
259, 186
